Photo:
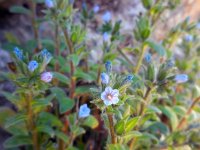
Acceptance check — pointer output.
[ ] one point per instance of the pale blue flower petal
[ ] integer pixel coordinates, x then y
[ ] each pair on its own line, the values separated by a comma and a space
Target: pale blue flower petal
115, 100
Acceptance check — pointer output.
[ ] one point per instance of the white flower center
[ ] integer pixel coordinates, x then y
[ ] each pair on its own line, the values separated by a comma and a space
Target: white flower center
109, 96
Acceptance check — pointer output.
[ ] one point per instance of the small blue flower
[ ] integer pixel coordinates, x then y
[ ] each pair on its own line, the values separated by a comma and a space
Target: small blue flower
49, 3
84, 111
32, 65
106, 16
188, 38
148, 58
84, 5
181, 78
106, 37
198, 25
96, 9
18, 53
108, 66
46, 56
110, 96
104, 78
128, 79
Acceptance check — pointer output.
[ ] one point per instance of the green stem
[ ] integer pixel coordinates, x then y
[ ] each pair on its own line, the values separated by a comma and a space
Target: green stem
35, 25
141, 114
183, 120
111, 127
137, 68
31, 124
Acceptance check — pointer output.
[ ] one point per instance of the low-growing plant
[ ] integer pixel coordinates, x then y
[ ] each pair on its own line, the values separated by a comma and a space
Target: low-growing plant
140, 95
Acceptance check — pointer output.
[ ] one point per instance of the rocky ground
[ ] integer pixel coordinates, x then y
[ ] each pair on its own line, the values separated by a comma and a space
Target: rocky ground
125, 10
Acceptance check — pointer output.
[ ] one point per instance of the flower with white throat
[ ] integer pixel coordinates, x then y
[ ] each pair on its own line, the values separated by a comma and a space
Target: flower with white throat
110, 96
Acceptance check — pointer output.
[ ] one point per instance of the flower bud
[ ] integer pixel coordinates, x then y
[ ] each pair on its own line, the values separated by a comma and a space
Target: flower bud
128, 79
46, 77
46, 56
96, 9
104, 78
49, 3
108, 66
18, 53
32, 65
188, 38
106, 37
148, 58
106, 16
181, 78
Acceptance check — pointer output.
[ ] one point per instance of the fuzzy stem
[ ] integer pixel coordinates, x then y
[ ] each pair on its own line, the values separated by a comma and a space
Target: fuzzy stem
111, 127
137, 68
124, 55
141, 114
31, 124
183, 120
35, 25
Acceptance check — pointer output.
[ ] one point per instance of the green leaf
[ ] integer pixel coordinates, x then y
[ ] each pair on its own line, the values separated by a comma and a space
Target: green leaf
75, 59
171, 115
119, 127
45, 129
62, 136
157, 47
16, 141
80, 74
117, 147
9, 96
65, 104
158, 127
46, 118
61, 77
20, 10
91, 122
15, 120
5, 113
43, 102
131, 124
77, 130
132, 134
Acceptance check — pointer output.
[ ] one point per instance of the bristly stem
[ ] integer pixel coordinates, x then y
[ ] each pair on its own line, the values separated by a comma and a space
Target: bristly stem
111, 127
31, 124
72, 67
35, 25
141, 114
137, 68
183, 120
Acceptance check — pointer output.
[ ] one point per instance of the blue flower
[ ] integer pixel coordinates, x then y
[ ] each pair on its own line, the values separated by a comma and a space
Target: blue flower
108, 66
110, 96
104, 78
188, 38
84, 5
198, 25
148, 57
32, 65
128, 79
181, 78
84, 111
49, 3
96, 9
106, 37
18, 53
46, 56
106, 16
